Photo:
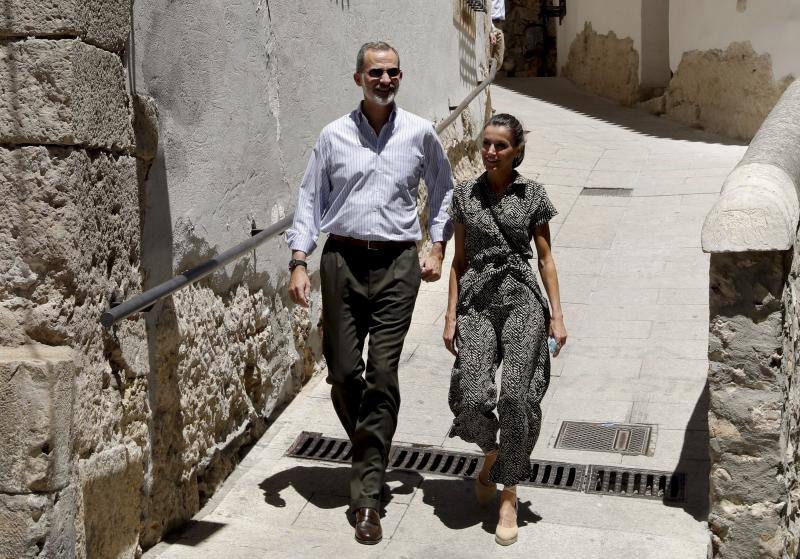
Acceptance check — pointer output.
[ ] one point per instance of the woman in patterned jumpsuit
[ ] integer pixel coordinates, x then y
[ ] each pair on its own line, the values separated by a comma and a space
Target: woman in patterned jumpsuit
496, 313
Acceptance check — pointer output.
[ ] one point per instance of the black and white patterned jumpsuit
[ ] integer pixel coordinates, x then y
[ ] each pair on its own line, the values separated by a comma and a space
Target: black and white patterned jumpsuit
501, 317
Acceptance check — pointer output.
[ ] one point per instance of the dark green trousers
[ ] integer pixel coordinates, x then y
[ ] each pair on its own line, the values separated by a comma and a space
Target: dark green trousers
367, 291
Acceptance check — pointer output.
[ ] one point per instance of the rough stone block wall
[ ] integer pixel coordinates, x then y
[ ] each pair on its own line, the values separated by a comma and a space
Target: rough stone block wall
727, 91
224, 361
790, 422
74, 410
103, 23
63, 92
605, 65
753, 406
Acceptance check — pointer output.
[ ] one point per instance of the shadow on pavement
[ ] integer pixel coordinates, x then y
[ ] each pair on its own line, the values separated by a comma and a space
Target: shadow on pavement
328, 488
561, 92
194, 532
452, 500
694, 460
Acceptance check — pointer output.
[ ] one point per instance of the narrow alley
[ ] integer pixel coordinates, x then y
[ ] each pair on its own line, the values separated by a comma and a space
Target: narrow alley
635, 291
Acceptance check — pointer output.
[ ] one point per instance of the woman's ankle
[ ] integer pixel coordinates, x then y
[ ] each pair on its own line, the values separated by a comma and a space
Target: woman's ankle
489, 459
508, 506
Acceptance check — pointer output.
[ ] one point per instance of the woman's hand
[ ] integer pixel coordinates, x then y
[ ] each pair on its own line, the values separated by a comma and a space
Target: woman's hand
559, 332
449, 335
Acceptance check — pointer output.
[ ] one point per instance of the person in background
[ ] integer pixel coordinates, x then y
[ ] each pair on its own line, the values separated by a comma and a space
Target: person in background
496, 313
496, 37
360, 187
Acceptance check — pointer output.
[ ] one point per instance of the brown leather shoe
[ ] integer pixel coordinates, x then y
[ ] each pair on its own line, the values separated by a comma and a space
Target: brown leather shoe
368, 526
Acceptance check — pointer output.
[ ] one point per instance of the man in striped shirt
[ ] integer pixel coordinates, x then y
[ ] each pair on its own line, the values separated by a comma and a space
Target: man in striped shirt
360, 187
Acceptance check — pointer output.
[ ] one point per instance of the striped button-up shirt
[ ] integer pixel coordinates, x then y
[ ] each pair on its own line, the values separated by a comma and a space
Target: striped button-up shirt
363, 185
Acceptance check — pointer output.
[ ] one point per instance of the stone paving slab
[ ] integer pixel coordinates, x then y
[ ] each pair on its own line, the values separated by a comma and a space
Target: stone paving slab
634, 286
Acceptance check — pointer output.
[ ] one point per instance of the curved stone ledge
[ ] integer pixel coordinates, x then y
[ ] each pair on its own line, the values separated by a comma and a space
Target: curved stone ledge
759, 208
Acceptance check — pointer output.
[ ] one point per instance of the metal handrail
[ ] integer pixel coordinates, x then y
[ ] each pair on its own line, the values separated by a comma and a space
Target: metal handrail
155, 294
468, 99
150, 297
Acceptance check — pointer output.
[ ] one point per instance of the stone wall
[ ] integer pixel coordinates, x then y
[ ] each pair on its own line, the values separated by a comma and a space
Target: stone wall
530, 40
73, 398
748, 388
712, 66
618, 49
605, 65
751, 233
727, 91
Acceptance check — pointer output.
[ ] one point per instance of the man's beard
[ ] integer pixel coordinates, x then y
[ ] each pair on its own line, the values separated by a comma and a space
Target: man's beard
384, 100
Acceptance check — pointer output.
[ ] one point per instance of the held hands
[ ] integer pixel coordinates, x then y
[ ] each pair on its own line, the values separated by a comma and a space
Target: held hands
300, 286
431, 265
558, 331
449, 335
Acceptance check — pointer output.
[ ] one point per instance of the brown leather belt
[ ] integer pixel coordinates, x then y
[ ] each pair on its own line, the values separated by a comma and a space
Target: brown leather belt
371, 245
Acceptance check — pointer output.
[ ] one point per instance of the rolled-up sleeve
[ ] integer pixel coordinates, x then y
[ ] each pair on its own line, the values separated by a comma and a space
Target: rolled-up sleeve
314, 188
439, 180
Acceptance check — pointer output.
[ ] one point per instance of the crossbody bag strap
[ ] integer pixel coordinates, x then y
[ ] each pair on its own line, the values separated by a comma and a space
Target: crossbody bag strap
515, 248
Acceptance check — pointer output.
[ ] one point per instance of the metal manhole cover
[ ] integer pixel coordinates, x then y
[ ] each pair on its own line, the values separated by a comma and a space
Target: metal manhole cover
617, 192
648, 484
604, 437
434, 460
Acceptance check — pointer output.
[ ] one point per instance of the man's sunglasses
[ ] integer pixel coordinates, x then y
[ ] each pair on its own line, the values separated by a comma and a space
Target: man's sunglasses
378, 72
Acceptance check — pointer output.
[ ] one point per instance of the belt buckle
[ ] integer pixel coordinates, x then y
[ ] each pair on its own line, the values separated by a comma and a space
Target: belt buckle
369, 245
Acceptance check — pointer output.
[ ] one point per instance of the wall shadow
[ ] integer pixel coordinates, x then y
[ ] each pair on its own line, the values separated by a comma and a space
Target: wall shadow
691, 462
563, 93
195, 532
464, 22
166, 420
167, 503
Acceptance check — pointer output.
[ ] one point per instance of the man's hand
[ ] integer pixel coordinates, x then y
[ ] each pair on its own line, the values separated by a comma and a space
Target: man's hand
299, 284
431, 265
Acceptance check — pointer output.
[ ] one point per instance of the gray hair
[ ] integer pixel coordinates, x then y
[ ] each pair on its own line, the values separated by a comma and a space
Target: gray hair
375, 45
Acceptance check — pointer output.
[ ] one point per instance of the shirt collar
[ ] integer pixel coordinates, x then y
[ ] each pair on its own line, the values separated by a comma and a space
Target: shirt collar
361, 117
516, 180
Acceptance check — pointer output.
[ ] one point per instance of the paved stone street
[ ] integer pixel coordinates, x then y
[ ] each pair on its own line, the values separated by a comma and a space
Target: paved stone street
634, 287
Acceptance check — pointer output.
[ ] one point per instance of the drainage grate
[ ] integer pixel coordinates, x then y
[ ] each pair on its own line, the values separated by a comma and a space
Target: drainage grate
604, 437
316, 446
557, 475
434, 461
618, 192
667, 486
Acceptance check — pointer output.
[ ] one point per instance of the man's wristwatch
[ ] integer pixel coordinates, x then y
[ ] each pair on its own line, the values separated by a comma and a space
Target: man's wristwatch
295, 262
